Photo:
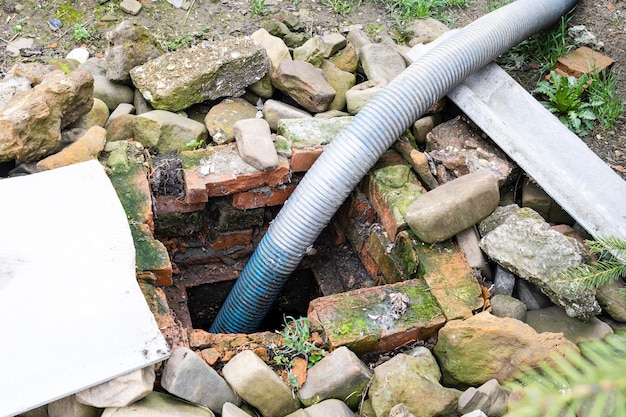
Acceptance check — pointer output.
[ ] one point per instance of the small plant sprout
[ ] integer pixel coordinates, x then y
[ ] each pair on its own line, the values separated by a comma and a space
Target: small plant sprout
81, 33
259, 8
18, 28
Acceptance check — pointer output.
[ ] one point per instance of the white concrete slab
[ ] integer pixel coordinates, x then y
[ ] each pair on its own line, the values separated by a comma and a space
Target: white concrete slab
71, 312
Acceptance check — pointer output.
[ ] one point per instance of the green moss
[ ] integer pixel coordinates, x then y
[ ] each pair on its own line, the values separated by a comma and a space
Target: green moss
69, 15
178, 224
192, 159
150, 254
394, 176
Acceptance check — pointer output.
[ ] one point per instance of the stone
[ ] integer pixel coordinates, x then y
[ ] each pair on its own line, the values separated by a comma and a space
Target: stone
122, 109
461, 149
609, 298
503, 282
79, 54
450, 279
231, 410
274, 111
331, 407
70, 407
423, 126
333, 43
530, 249
340, 375
187, 376
418, 160
358, 96
381, 61
506, 306
468, 241
426, 31
397, 259
475, 413
120, 128
553, 319
31, 123
258, 385
305, 84
341, 81
281, 30
255, 144
97, 116
220, 119
9, 86
404, 379
275, 47
312, 51
176, 80
87, 147
453, 207
113, 94
121, 391
132, 7
157, 404
369, 319
470, 352
358, 38
130, 45
166, 131
14, 47
531, 295
311, 133
346, 59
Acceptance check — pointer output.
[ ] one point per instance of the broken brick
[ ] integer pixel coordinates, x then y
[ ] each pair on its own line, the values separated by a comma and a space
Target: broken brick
303, 159
583, 60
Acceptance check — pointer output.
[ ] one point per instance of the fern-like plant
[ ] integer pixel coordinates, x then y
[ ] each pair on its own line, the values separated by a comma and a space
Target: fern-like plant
591, 383
568, 100
610, 266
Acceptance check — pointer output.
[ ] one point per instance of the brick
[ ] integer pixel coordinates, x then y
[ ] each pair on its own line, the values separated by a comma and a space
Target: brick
369, 264
450, 279
391, 186
165, 204
397, 260
133, 189
151, 255
263, 197
583, 60
225, 217
303, 159
227, 240
362, 321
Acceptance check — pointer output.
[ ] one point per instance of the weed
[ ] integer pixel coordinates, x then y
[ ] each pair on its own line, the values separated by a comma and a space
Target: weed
496, 4
567, 99
18, 28
259, 8
81, 33
604, 90
418, 9
342, 6
296, 334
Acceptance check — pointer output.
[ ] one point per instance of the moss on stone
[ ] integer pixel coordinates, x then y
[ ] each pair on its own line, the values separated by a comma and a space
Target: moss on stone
193, 159
178, 224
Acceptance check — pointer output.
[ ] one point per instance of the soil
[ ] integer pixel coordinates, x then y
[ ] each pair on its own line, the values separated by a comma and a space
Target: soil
214, 19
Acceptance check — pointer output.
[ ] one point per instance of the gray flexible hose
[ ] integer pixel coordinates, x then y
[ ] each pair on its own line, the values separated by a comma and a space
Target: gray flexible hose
356, 149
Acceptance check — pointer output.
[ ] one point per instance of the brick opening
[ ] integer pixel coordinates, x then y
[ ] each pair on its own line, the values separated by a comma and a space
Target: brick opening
205, 300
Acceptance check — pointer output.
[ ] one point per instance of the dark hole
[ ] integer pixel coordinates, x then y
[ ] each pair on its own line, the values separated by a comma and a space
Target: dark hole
204, 301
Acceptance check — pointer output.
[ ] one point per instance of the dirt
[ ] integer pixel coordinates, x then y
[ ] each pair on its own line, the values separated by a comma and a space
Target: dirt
213, 20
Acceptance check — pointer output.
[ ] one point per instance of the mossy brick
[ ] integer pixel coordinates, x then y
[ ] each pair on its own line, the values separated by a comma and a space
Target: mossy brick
224, 217
362, 319
151, 254
392, 187
396, 260
178, 224
450, 279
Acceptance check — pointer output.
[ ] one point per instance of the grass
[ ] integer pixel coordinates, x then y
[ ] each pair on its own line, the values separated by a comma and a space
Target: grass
604, 90
259, 8
405, 10
342, 6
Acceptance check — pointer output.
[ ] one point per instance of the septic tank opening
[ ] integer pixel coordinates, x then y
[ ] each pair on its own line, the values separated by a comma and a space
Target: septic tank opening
205, 300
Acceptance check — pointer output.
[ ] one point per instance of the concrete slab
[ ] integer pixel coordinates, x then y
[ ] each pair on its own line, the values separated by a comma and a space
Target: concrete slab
71, 312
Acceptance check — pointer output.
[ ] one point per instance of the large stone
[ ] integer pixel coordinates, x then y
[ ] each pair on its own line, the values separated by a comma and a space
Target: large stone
113, 94
489, 398
255, 144
277, 50
453, 207
166, 131
258, 385
121, 391
553, 319
471, 352
9, 86
130, 44
87, 147
187, 376
529, 248
176, 80
381, 61
331, 407
220, 119
610, 299
408, 380
341, 81
340, 375
274, 111
31, 123
305, 84
97, 116
159, 405
358, 96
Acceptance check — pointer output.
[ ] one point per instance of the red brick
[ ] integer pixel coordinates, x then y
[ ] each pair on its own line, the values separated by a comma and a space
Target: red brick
450, 279
169, 204
302, 159
583, 60
360, 319
195, 188
262, 197
227, 240
369, 264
